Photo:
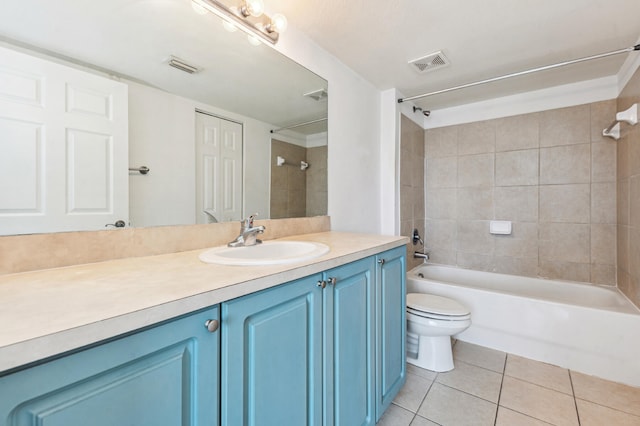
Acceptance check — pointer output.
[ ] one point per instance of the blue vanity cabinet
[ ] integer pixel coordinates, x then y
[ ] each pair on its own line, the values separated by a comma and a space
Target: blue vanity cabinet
167, 375
272, 356
349, 356
390, 326
302, 353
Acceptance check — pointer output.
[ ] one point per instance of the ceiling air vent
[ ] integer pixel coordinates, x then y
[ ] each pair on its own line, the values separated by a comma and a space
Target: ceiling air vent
182, 65
317, 95
430, 62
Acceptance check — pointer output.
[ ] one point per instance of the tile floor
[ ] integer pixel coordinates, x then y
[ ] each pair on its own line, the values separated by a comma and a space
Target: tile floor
489, 387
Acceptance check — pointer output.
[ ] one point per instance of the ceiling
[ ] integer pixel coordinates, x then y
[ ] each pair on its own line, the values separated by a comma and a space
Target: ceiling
482, 39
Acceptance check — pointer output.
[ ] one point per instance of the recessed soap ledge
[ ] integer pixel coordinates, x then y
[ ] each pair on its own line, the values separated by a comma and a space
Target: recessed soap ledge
79, 305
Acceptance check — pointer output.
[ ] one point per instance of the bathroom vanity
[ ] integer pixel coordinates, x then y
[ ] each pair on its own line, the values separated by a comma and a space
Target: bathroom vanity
167, 340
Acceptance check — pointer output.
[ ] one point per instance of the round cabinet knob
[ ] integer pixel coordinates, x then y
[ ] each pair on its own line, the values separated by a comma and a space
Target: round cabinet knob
333, 280
381, 261
322, 284
212, 325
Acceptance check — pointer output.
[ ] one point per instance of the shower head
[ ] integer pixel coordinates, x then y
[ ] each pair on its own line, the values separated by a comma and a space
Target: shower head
426, 113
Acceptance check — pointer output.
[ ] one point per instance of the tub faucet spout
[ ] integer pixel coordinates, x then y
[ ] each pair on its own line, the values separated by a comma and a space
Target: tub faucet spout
421, 255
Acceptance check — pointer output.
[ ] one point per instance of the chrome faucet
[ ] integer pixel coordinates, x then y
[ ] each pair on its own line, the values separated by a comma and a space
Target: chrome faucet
248, 233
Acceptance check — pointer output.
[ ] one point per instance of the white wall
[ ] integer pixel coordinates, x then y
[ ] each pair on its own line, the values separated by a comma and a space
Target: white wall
354, 137
162, 137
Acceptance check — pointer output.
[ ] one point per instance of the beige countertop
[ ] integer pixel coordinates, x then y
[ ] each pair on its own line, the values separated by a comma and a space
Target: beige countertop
48, 312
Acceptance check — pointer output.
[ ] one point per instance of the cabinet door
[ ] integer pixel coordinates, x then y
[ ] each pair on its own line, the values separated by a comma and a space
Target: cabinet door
390, 327
272, 356
166, 375
349, 345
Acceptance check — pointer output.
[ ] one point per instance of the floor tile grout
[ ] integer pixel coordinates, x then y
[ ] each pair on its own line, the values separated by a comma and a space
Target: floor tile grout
486, 358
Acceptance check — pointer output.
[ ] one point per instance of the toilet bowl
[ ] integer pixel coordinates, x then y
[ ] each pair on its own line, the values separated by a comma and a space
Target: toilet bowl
431, 321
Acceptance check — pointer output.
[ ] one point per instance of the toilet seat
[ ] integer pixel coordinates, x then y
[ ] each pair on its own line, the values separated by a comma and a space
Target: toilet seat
436, 307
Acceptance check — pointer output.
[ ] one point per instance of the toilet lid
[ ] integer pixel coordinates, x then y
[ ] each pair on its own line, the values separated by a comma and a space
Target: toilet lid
436, 304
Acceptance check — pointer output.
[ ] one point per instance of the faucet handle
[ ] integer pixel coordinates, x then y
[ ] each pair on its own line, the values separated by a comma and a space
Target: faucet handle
250, 220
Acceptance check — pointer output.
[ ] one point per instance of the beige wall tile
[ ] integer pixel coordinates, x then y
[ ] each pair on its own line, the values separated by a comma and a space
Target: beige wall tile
565, 164
475, 203
634, 150
603, 202
517, 168
602, 114
418, 166
441, 142
477, 138
516, 203
474, 237
440, 234
603, 274
559, 270
634, 201
622, 247
406, 167
475, 261
523, 241
406, 202
603, 244
517, 132
418, 204
476, 170
441, 203
565, 126
565, 203
524, 266
442, 172
622, 158
603, 161
565, 242
622, 202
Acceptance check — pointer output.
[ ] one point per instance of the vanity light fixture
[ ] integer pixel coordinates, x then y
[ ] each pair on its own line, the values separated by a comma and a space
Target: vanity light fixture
249, 17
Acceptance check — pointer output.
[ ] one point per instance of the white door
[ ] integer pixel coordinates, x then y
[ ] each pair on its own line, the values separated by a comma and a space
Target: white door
218, 169
63, 147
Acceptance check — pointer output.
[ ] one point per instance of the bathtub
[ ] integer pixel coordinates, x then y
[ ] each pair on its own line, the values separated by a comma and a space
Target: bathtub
590, 329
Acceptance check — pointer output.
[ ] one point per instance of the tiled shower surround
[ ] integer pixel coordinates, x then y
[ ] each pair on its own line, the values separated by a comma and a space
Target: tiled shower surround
296, 192
551, 173
573, 195
629, 197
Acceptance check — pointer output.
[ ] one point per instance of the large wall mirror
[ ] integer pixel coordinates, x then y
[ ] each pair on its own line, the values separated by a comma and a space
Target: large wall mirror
280, 106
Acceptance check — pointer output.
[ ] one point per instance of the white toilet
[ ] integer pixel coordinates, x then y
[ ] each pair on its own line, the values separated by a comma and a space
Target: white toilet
431, 321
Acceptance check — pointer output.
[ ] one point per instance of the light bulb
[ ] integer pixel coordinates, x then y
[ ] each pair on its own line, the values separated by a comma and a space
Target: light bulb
229, 26
200, 10
278, 23
253, 8
253, 40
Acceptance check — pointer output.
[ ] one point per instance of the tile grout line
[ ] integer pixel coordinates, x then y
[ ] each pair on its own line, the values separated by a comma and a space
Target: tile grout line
573, 393
504, 369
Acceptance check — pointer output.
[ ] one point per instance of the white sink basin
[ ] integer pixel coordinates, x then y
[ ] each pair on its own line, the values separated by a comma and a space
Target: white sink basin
267, 253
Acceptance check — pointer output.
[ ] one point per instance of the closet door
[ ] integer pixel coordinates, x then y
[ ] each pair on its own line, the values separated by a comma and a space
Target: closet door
64, 144
218, 169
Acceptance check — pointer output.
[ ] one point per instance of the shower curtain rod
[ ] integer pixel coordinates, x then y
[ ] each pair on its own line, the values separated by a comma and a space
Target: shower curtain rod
299, 124
516, 74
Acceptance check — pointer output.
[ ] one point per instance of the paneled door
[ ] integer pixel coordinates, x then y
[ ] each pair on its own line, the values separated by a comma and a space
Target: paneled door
218, 169
63, 145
